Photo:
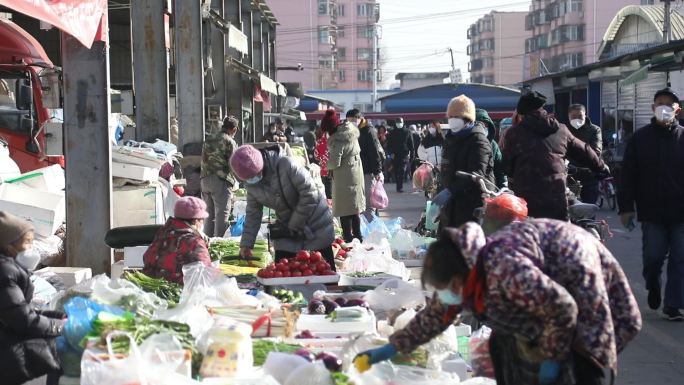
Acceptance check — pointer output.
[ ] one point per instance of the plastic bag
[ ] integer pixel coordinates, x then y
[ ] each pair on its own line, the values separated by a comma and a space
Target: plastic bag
394, 225
364, 226
281, 365
236, 230
108, 369
385, 373
394, 294
404, 243
376, 258
310, 374
422, 177
431, 216
378, 198
481, 360
81, 313
125, 294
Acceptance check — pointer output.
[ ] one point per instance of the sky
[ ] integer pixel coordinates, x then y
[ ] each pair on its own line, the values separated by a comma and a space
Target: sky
417, 33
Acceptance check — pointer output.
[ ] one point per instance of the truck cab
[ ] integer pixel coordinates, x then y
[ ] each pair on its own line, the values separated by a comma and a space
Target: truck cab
29, 100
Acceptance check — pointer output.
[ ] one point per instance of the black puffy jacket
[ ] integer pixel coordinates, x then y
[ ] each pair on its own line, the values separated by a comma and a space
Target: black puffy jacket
27, 339
400, 143
467, 151
534, 153
652, 177
370, 146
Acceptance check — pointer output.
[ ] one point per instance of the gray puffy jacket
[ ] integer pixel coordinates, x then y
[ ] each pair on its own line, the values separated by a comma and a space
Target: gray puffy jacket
304, 208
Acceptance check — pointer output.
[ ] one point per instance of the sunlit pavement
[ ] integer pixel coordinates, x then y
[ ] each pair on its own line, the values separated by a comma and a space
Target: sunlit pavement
656, 355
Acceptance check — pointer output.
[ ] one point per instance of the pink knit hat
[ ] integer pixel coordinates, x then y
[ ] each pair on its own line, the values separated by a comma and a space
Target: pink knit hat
190, 208
246, 162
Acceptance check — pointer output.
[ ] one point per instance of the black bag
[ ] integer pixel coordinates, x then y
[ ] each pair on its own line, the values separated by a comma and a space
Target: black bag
279, 231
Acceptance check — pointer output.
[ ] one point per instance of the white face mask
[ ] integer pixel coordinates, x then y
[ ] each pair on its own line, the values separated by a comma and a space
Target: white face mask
577, 123
354, 122
432, 130
400, 125
665, 114
456, 124
28, 259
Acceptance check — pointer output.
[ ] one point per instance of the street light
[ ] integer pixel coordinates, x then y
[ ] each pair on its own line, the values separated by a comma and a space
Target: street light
299, 67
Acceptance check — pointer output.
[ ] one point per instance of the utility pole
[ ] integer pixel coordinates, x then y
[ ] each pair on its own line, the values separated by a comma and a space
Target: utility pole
375, 66
452, 74
666, 24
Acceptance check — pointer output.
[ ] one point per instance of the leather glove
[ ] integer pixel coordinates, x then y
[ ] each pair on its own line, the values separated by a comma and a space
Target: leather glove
442, 198
363, 361
627, 220
548, 372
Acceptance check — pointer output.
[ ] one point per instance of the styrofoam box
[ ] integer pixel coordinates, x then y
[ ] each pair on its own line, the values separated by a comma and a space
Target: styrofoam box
131, 171
133, 256
46, 179
376, 280
319, 323
70, 275
45, 210
299, 280
138, 205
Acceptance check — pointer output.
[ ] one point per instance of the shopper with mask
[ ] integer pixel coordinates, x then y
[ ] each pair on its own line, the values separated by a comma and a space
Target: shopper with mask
583, 129
27, 336
534, 153
466, 149
400, 146
371, 159
217, 180
303, 218
179, 242
652, 187
273, 135
431, 145
559, 304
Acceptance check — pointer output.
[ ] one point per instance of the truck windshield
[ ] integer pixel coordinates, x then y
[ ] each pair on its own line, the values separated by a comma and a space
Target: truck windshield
10, 116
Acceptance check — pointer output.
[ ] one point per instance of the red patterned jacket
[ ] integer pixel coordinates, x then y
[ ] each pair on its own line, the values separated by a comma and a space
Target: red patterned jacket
175, 245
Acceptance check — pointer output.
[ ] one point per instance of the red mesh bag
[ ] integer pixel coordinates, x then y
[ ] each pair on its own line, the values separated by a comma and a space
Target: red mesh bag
505, 207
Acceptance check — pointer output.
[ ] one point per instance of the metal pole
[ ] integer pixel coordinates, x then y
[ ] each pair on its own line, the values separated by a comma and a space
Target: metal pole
150, 69
187, 17
233, 14
666, 23
375, 67
87, 152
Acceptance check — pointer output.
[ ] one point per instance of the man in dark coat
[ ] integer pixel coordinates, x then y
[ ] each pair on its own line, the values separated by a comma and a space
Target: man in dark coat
534, 153
482, 116
371, 159
652, 182
400, 145
589, 133
467, 149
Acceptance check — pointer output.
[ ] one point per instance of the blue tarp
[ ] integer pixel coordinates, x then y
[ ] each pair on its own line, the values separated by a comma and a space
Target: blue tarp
436, 98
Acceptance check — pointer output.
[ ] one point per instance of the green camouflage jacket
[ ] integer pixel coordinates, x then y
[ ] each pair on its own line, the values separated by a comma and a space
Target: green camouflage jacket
216, 154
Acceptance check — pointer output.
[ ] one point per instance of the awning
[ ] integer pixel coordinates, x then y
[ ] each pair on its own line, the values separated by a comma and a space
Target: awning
80, 19
636, 77
238, 40
267, 84
282, 91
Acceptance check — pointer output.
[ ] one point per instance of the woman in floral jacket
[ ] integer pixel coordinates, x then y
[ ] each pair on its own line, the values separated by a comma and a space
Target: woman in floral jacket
558, 302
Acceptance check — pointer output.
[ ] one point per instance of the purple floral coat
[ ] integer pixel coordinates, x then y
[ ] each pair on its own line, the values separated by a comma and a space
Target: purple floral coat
548, 281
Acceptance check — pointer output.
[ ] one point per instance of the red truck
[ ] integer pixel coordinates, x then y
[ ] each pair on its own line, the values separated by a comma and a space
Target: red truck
30, 100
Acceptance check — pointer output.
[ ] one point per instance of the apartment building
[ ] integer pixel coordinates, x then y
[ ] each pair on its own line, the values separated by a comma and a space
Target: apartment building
332, 40
566, 33
496, 43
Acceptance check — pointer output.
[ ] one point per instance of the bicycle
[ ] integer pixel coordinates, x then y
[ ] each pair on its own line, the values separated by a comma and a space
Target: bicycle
607, 193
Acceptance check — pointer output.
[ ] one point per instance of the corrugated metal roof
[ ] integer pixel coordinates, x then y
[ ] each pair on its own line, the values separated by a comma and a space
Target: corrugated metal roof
436, 97
655, 14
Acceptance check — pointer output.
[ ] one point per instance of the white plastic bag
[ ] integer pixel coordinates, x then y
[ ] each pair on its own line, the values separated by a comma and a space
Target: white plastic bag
110, 370
281, 365
310, 374
376, 258
394, 294
385, 373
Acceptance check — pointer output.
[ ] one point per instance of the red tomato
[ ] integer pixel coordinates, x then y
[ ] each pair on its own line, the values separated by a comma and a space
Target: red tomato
296, 273
268, 274
286, 274
307, 273
260, 273
329, 272
272, 266
295, 265
322, 267
283, 267
278, 274
302, 255
316, 257
284, 261
339, 241
313, 267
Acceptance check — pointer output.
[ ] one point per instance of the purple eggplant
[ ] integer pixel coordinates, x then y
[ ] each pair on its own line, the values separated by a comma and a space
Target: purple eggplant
357, 302
341, 301
330, 306
305, 354
331, 361
316, 307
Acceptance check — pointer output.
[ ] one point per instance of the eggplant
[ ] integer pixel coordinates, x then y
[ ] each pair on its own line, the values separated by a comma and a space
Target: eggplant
331, 361
357, 302
316, 307
330, 306
305, 354
341, 301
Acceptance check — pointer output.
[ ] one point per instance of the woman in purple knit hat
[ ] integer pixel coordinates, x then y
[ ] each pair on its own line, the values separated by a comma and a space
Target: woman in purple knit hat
303, 218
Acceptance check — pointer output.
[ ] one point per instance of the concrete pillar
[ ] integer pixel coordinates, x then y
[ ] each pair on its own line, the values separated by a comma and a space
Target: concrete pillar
88, 153
189, 71
150, 69
258, 64
217, 97
248, 86
233, 79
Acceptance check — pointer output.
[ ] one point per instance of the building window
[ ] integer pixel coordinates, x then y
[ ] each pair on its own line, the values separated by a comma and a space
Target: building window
364, 31
530, 45
647, 2
485, 25
341, 52
325, 61
486, 45
323, 7
542, 41
488, 79
487, 62
576, 5
340, 10
364, 53
340, 31
364, 75
341, 76
364, 9
323, 34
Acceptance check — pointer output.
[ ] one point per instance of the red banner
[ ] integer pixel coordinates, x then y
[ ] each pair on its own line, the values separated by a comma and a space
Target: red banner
79, 18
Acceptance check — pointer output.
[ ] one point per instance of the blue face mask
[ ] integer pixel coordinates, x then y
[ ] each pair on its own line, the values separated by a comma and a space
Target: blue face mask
448, 297
254, 180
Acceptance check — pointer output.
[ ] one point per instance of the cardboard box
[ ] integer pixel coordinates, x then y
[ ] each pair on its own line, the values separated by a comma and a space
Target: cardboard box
45, 210
131, 171
138, 205
70, 275
49, 179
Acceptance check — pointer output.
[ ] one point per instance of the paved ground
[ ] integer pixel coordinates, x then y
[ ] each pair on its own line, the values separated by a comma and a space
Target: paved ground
656, 356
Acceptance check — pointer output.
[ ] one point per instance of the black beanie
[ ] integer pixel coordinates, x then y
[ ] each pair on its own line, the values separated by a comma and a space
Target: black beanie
529, 102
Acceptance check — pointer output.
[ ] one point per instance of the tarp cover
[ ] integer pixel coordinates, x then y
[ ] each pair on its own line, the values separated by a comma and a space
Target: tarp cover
79, 18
